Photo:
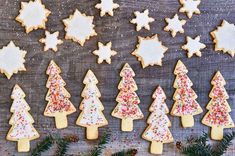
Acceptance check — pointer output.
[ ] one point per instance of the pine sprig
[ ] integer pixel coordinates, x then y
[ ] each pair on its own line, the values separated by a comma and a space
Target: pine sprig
63, 144
43, 146
101, 145
129, 152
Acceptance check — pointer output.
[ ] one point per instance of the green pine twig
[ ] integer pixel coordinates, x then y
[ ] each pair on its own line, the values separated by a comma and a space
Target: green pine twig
101, 145
43, 146
63, 144
129, 152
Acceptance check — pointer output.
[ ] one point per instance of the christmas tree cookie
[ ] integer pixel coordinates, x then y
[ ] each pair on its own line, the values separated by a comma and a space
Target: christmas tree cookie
158, 130
185, 104
91, 116
59, 105
218, 116
22, 129
127, 108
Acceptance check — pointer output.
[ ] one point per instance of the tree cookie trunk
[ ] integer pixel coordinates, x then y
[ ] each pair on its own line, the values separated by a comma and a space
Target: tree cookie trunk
187, 121
127, 124
156, 147
23, 145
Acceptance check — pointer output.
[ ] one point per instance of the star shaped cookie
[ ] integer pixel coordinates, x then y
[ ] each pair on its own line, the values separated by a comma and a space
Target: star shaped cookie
51, 41
106, 7
150, 51
104, 52
193, 46
175, 25
224, 38
11, 60
33, 15
79, 27
142, 20
190, 7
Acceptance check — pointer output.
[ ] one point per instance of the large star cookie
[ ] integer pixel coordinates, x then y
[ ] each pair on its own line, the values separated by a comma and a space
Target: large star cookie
11, 60
106, 6
51, 41
150, 51
142, 20
190, 7
224, 38
33, 15
79, 27
105, 52
175, 25
193, 46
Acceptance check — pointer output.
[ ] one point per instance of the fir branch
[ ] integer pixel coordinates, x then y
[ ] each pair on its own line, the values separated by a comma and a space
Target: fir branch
101, 145
43, 146
63, 144
129, 152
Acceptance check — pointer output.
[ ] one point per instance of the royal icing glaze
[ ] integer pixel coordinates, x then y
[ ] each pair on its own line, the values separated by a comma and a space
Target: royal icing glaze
175, 25
106, 7
51, 41
180, 68
218, 80
182, 81
190, 7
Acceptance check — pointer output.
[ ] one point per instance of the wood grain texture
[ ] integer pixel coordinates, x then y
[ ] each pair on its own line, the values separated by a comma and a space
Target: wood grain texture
75, 60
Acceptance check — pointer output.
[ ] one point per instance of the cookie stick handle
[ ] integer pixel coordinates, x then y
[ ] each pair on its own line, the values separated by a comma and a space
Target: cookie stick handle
216, 133
23, 145
187, 121
61, 120
156, 147
92, 133
127, 124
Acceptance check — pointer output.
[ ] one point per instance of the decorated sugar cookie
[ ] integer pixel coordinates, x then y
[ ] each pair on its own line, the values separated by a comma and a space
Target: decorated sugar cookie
185, 105
150, 51
51, 41
127, 108
33, 15
218, 116
158, 132
91, 116
104, 52
190, 7
12, 60
142, 20
193, 46
224, 39
106, 7
59, 105
22, 129
79, 27
175, 25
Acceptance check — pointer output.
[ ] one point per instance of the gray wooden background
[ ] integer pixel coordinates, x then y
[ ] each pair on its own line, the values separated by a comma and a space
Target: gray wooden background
76, 60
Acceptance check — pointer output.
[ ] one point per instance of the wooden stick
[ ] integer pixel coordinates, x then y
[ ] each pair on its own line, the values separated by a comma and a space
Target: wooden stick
156, 147
187, 121
217, 133
23, 145
127, 124
92, 133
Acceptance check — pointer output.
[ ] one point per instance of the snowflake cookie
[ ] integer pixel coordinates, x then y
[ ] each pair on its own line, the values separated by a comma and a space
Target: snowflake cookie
33, 15
142, 20
193, 46
79, 27
51, 41
224, 38
105, 52
175, 25
106, 6
190, 7
150, 51
11, 60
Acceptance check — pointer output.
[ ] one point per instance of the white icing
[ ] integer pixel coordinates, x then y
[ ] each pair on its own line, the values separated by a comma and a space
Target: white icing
107, 6
190, 7
51, 41
175, 25
104, 52
90, 78
11, 59
91, 90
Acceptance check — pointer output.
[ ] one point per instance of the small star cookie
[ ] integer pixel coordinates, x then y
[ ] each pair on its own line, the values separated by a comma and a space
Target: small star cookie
106, 6
142, 20
175, 25
51, 41
33, 15
11, 60
193, 46
104, 52
150, 51
224, 38
190, 7
79, 27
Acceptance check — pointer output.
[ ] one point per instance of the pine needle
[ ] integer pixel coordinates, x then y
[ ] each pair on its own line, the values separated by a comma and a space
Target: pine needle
43, 146
97, 151
129, 152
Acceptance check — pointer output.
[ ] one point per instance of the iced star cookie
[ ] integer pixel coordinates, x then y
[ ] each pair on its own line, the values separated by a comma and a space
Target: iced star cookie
104, 52
142, 20
22, 129
33, 15
150, 51
224, 38
51, 41
12, 60
190, 7
106, 7
175, 25
79, 27
193, 46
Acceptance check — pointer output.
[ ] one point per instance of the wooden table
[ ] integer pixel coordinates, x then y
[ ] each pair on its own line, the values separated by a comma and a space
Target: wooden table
76, 60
